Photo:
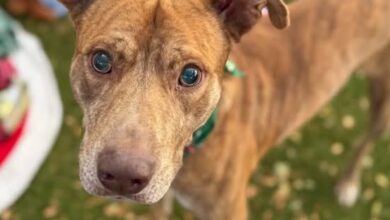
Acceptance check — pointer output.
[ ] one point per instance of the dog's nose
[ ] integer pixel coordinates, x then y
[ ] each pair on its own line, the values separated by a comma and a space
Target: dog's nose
124, 174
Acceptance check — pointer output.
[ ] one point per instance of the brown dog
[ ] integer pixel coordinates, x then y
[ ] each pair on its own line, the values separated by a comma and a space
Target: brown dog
147, 74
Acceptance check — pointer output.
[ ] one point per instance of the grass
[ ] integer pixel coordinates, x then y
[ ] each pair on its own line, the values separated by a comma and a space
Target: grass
294, 181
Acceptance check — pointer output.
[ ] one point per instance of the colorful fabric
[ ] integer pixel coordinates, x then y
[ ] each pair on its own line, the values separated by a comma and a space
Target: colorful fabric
8, 144
13, 99
6, 72
37, 131
7, 36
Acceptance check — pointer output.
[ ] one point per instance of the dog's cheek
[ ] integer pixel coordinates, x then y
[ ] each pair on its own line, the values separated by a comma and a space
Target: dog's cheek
80, 89
86, 87
204, 105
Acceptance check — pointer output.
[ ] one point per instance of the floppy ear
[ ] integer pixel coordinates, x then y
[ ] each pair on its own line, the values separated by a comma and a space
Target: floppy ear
241, 15
278, 13
76, 7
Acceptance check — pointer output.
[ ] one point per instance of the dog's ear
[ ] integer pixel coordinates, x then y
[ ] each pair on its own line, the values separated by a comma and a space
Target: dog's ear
76, 7
241, 15
278, 13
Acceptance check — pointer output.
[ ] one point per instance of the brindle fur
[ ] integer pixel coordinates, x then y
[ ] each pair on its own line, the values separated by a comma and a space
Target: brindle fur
290, 75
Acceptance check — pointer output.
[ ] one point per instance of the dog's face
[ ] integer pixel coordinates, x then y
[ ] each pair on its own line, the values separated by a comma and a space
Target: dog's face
147, 74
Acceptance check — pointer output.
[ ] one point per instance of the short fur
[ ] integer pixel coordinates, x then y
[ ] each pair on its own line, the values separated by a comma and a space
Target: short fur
290, 75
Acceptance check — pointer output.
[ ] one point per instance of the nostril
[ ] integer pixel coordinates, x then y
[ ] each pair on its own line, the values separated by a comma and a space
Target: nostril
137, 182
107, 177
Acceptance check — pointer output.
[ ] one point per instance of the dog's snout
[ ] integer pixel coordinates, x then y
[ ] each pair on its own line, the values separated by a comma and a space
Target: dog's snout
124, 174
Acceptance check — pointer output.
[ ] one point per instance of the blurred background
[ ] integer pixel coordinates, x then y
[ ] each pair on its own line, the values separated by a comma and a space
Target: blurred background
294, 181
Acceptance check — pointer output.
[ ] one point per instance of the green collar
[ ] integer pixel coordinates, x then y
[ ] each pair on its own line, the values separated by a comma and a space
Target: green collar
200, 135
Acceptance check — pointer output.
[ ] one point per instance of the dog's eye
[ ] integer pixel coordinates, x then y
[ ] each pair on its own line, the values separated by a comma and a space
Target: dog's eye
102, 62
190, 76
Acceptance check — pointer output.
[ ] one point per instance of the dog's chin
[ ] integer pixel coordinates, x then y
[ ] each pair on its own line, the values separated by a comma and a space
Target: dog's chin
148, 196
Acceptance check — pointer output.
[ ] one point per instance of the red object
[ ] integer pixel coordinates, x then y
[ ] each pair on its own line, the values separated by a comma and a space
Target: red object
7, 145
6, 72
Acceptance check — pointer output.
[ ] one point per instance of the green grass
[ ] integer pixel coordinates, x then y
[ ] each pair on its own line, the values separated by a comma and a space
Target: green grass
312, 167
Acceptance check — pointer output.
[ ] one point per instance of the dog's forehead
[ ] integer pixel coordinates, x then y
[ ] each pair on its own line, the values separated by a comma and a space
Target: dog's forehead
139, 18
140, 15
134, 23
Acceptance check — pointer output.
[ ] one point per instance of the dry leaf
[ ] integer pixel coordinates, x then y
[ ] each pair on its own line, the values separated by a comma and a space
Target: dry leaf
333, 170
376, 209
296, 137
368, 194
130, 216
282, 195
115, 210
51, 211
251, 191
337, 148
282, 171
364, 103
325, 112
296, 205
70, 120
268, 181
6, 215
382, 180
367, 162
348, 122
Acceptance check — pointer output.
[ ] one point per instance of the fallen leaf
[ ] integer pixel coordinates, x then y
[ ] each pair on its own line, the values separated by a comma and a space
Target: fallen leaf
376, 209
301, 216
296, 205
325, 112
70, 120
115, 210
367, 162
282, 195
95, 201
130, 216
282, 171
296, 137
348, 122
333, 170
364, 103
251, 191
382, 180
368, 194
337, 148
6, 215
51, 211
268, 181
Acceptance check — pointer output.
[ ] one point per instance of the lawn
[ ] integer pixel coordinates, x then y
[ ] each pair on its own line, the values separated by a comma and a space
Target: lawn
294, 181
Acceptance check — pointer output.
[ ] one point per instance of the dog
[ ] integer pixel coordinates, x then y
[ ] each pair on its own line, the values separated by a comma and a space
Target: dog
148, 74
